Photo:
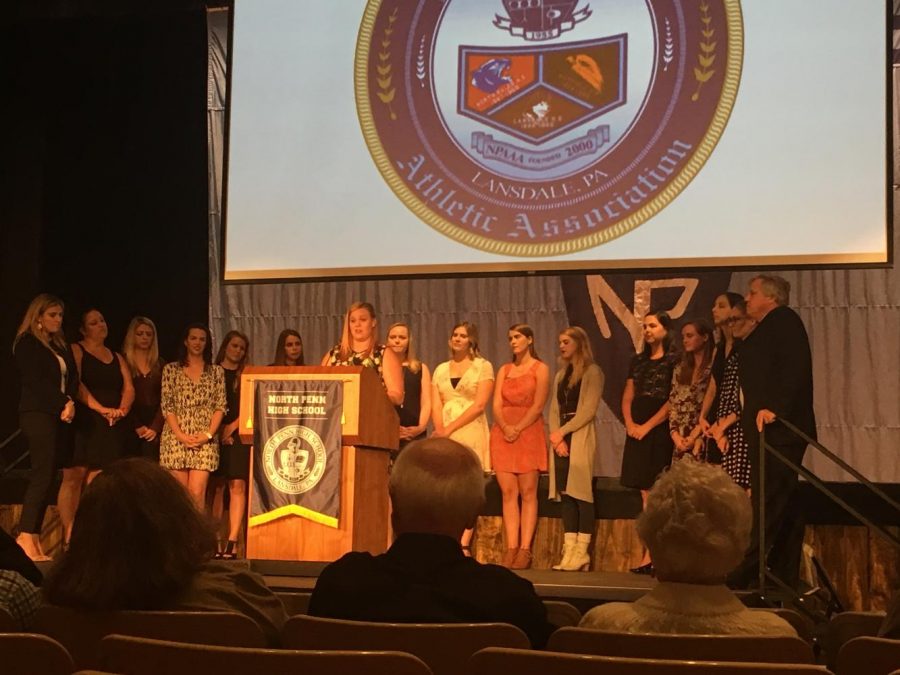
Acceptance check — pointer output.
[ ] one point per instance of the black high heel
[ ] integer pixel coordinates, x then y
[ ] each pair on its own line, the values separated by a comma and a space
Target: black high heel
229, 552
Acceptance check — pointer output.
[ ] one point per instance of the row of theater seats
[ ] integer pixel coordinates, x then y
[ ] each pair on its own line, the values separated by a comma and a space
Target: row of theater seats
201, 642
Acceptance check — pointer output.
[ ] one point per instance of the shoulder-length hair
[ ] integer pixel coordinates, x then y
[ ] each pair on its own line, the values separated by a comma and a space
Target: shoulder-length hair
583, 356
525, 330
31, 320
415, 364
137, 542
280, 353
666, 322
207, 350
346, 348
704, 329
128, 345
472, 332
220, 355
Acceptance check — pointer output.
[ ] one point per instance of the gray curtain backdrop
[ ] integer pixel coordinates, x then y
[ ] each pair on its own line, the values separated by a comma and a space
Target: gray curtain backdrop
853, 319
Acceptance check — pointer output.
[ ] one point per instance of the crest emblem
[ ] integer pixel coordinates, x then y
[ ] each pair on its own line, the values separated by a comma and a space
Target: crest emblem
540, 19
567, 128
294, 459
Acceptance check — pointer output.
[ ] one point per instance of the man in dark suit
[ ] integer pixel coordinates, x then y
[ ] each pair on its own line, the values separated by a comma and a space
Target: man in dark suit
775, 372
437, 491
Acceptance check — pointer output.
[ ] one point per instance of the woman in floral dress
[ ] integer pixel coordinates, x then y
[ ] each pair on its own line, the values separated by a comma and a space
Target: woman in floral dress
193, 404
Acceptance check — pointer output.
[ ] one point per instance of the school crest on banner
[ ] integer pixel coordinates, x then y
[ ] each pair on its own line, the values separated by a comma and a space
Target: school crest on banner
297, 450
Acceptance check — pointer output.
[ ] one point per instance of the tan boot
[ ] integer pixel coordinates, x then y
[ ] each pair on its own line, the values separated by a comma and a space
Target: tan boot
580, 559
568, 547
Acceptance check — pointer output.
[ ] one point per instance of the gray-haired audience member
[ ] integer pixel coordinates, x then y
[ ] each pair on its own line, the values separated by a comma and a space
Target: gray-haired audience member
437, 491
697, 526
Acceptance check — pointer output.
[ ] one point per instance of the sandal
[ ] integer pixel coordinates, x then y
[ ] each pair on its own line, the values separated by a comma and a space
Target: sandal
229, 552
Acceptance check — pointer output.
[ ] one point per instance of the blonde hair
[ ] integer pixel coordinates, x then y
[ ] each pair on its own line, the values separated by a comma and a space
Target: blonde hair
128, 345
472, 333
415, 364
31, 322
583, 356
346, 349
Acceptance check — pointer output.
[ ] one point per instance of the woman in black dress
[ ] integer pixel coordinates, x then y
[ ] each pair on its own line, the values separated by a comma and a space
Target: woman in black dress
721, 313
415, 411
645, 409
104, 399
141, 352
49, 381
234, 456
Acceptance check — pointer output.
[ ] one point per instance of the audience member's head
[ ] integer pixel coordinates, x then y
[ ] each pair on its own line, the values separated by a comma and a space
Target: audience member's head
696, 524
436, 487
136, 543
775, 287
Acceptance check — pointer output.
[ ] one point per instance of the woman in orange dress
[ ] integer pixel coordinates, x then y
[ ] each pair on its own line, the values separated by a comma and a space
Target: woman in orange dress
519, 443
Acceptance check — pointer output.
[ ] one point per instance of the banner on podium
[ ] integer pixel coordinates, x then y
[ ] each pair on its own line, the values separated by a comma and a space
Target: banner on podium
297, 450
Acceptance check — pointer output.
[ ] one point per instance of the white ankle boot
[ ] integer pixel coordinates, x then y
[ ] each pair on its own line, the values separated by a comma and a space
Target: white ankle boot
569, 540
579, 559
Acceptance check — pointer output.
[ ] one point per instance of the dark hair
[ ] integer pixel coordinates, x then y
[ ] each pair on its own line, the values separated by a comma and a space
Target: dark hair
207, 350
734, 299
220, 355
137, 542
280, 356
705, 329
666, 322
83, 317
525, 330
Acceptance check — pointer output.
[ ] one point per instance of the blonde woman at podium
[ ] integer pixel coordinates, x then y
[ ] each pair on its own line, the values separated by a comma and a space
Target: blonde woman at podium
461, 389
359, 347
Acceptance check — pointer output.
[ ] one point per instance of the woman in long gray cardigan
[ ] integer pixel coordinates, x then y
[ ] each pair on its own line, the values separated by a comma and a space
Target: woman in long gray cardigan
576, 395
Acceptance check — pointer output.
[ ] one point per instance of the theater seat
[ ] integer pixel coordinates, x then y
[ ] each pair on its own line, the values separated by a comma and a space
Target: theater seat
80, 632
444, 647
126, 655
494, 660
31, 654
749, 648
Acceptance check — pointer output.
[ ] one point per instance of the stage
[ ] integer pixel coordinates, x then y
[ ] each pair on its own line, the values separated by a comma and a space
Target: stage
861, 565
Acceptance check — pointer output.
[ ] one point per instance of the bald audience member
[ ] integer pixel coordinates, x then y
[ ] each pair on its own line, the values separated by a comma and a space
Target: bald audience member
437, 491
697, 526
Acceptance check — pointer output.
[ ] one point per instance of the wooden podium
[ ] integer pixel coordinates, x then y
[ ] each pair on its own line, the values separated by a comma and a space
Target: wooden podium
369, 431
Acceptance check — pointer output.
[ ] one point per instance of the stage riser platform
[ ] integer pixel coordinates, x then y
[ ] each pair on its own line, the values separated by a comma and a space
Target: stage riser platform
862, 567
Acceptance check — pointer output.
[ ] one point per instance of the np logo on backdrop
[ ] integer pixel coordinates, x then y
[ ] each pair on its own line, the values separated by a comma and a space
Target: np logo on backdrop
544, 127
297, 450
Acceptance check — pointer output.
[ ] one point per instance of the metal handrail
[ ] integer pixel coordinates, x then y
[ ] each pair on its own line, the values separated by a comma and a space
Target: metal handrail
10, 438
763, 573
6, 469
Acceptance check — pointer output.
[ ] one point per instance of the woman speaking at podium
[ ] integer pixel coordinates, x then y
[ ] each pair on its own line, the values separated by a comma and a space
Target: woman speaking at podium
359, 347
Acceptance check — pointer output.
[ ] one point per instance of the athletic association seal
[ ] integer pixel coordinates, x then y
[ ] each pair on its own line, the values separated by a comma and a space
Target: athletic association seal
294, 459
544, 127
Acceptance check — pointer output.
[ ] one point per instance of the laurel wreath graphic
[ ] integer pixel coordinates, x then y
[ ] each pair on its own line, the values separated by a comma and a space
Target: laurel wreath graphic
387, 92
707, 53
669, 49
420, 62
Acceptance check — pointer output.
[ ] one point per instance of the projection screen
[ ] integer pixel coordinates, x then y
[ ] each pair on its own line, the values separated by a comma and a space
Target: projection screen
421, 137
